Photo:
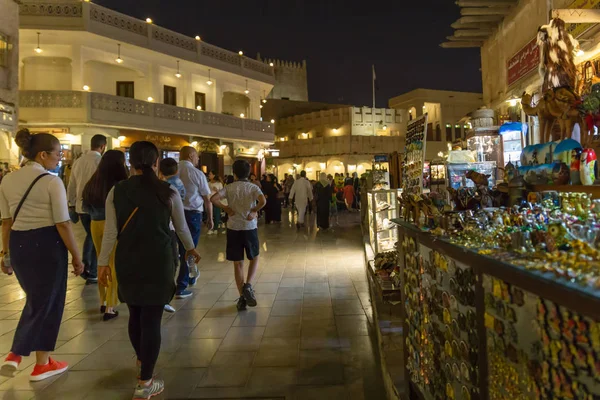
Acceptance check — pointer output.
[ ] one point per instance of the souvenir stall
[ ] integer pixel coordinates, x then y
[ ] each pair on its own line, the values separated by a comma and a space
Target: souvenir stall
497, 295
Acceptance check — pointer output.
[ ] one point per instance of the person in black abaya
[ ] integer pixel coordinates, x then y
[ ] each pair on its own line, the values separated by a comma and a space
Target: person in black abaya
324, 191
271, 190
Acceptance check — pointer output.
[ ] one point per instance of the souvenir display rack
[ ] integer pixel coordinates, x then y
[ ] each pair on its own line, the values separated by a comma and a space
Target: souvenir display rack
414, 156
477, 327
383, 207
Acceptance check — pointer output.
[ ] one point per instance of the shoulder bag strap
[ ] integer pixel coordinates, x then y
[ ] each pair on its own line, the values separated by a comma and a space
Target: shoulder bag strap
129, 219
27, 194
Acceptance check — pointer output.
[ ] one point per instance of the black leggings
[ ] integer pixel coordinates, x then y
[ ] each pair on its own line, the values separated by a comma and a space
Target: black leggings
144, 334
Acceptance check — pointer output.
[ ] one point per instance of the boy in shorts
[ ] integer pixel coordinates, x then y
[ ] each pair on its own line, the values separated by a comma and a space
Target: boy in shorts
244, 201
168, 172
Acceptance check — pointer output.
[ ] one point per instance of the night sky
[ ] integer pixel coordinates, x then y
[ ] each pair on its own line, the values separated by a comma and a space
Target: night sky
340, 39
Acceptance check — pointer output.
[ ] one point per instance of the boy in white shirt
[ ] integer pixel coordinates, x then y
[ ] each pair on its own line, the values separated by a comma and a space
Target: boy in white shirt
244, 200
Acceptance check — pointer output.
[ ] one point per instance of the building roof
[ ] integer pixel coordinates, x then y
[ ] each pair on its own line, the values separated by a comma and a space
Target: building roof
479, 18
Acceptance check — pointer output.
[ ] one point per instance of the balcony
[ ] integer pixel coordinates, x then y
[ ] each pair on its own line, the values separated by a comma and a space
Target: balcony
340, 145
66, 108
76, 15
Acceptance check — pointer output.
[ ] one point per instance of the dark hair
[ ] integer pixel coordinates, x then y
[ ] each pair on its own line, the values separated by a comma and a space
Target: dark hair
168, 166
303, 174
273, 178
229, 179
31, 145
241, 169
142, 156
98, 141
111, 171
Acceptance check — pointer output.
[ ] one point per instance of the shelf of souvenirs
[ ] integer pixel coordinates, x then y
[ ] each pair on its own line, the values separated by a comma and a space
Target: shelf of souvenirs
593, 190
567, 270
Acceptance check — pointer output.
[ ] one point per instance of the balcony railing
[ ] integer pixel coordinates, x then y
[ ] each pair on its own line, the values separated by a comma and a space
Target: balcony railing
51, 107
77, 15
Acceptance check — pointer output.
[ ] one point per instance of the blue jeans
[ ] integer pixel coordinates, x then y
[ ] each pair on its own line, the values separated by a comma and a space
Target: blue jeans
194, 222
90, 260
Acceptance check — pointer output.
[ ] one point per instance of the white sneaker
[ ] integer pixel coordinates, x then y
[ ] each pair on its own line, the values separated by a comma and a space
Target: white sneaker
169, 308
143, 392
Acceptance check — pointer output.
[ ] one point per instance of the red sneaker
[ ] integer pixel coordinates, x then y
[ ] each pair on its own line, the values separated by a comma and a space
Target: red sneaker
10, 365
41, 372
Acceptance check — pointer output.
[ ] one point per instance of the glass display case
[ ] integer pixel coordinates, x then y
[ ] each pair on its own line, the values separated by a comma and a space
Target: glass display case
456, 173
383, 207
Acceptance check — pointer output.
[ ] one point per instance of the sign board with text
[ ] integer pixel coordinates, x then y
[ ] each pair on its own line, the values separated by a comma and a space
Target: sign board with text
522, 63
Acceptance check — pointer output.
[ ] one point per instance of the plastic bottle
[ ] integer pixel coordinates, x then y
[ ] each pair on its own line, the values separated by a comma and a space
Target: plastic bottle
192, 267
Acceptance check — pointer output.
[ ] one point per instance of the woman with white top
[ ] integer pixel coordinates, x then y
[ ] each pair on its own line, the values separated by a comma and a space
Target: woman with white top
215, 184
138, 212
36, 235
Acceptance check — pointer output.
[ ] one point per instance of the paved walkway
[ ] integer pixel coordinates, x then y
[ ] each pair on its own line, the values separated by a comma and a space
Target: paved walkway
309, 337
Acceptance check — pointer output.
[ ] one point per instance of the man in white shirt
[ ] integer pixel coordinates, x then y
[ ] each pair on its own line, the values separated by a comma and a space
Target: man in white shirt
195, 202
82, 171
302, 193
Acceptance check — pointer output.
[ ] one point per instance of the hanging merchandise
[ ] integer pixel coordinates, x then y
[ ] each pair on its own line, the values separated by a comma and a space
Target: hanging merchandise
414, 156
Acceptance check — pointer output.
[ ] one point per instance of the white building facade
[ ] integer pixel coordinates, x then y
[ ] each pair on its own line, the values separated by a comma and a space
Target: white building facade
444, 111
86, 69
341, 140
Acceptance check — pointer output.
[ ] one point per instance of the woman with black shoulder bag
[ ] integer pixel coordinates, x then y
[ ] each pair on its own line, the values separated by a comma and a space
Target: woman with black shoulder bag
36, 239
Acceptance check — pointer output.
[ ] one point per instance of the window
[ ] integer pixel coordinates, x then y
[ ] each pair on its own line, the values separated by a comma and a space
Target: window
3, 50
170, 95
449, 133
125, 89
200, 101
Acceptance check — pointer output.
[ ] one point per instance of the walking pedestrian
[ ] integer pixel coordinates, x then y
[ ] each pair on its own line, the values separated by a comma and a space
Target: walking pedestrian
215, 184
138, 212
36, 236
244, 200
82, 171
197, 201
287, 187
271, 190
254, 180
349, 194
168, 172
302, 193
323, 194
111, 171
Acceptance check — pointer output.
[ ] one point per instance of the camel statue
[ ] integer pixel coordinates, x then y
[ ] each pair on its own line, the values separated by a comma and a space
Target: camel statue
546, 120
557, 105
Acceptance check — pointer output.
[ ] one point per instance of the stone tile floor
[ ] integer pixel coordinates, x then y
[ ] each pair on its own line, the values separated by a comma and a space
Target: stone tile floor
310, 336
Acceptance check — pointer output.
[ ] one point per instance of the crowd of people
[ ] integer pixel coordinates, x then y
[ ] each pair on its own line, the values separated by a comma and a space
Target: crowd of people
142, 226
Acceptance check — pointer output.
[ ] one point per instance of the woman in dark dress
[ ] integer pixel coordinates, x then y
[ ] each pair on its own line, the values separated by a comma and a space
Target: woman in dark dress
271, 190
323, 191
138, 211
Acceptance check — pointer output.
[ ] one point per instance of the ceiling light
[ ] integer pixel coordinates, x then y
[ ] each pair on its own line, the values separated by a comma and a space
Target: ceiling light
119, 60
149, 20
86, 88
178, 74
150, 98
121, 138
209, 81
246, 91
197, 37
194, 143
38, 49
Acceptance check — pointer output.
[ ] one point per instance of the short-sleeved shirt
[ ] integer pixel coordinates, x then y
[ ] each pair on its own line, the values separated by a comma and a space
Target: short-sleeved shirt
46, 205
178, 185
241, 197
196, 186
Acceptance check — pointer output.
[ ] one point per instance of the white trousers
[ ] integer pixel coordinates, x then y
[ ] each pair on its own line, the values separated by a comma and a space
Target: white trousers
301, 207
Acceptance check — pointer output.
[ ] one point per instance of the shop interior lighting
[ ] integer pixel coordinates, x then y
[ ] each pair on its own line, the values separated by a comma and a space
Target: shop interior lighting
119, 60
335, 130
178, 74
209, 81
38, 49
